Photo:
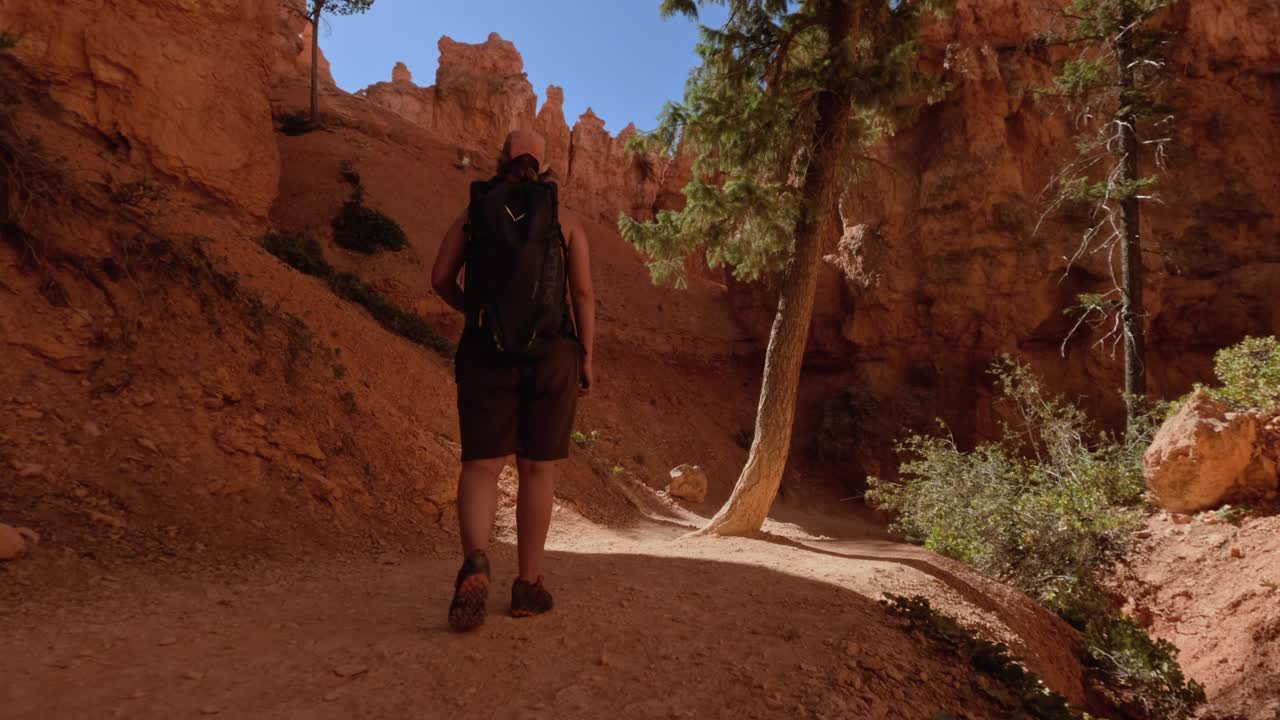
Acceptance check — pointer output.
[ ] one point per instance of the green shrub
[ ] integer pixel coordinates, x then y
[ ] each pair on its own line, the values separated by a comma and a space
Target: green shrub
365, 230
304, 254
1047, 507
583, 440
1145, 670
1023, 692
294, 124
1250, 374
1043, 507
391, 316
298, 252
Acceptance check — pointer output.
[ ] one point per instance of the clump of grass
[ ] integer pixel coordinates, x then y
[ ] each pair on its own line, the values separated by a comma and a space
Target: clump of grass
406, 324
298, 252
347, 400
1024, 693
305, 255
584, 440
1232, 515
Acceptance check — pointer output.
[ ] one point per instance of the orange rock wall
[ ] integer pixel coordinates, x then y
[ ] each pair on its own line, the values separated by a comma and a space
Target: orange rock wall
193, 110
942, 266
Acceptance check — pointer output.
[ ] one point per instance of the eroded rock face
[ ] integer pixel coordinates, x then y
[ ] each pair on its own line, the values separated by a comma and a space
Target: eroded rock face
1205, 455
400, 74
482, 93
195, 111
946, 263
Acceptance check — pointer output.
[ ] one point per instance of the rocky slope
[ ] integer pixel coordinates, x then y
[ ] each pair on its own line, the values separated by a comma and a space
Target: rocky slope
168, 373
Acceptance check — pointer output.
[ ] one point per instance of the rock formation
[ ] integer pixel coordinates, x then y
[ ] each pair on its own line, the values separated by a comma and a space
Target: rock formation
400, 74
193, 111
946, 263
1204, 456
482, 93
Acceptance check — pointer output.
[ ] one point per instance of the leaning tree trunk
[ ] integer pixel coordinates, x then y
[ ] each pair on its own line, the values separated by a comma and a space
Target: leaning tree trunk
758, 484
315, 63
1133, 313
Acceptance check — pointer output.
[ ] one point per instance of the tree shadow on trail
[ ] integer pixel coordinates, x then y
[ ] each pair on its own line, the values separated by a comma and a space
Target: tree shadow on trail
886, 551
632, 636
1042, 637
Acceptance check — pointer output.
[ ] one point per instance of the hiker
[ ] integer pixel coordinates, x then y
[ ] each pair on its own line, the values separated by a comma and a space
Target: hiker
522, 362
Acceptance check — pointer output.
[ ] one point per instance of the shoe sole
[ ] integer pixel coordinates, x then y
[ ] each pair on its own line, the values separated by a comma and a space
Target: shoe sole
468, 608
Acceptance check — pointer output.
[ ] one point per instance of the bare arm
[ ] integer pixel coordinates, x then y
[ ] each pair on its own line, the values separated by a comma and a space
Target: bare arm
449, 260
582, 291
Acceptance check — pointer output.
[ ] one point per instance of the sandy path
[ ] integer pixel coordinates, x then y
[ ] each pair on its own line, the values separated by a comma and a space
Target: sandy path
648, 625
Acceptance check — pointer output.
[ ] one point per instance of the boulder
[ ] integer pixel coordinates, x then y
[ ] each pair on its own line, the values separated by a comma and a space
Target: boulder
14, 542
688, 482
1205, 455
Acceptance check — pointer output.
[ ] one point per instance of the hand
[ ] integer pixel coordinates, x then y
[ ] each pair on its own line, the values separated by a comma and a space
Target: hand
588, 376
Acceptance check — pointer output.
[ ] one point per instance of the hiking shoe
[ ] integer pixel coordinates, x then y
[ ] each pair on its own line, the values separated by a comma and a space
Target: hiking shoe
470, 591
529, 598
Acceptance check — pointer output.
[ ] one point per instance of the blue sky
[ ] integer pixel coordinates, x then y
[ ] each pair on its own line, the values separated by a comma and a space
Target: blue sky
617, 56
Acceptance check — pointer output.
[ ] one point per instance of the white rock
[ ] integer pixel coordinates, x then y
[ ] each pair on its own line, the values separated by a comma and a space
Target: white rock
688, 482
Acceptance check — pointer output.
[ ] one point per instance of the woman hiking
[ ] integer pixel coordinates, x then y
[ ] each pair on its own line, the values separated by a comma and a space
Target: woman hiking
523, 360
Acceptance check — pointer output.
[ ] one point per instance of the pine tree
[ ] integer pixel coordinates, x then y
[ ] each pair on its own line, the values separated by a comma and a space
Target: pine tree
785, 97
1115, 81
314, 11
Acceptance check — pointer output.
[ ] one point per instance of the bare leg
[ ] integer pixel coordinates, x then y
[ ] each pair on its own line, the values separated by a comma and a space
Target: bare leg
478, 502
533, 513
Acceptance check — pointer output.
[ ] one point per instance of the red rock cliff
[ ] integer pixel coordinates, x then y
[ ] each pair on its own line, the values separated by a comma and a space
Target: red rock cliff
942, 266
120, 102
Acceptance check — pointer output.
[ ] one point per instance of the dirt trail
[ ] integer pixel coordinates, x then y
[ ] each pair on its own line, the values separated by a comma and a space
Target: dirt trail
648, 624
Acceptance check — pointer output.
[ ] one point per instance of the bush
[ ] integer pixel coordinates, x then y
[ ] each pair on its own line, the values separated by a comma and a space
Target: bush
1044, 507
391, 316
1047, 507
1144, 670
294, 124
1250, 374
1024, 693
365, 230
298, 252
304, 255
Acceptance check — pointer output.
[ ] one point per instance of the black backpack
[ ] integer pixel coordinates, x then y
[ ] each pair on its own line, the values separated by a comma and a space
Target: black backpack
515, 282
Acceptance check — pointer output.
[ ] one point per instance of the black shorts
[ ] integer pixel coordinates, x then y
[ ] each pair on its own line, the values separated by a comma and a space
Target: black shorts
517, 406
